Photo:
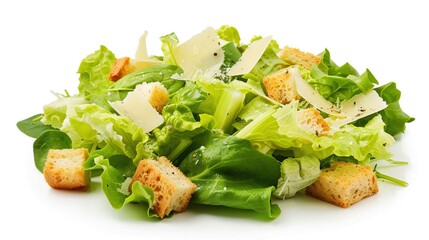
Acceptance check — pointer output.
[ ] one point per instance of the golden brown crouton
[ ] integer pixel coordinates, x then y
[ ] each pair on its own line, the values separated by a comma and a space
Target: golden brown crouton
344, 184
64, 169
281, 87
294, 56
311, 120
171, 187
121, 67
158, 96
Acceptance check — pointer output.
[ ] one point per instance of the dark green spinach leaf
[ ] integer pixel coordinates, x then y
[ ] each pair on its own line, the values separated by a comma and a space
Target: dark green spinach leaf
230, 172
52, 139
32, 126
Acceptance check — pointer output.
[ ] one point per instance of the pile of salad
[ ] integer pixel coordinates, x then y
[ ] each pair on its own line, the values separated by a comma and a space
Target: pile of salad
219, 126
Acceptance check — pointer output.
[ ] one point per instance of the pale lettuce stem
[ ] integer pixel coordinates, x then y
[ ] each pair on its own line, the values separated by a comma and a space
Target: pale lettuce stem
230, 103
184, 143
255, 123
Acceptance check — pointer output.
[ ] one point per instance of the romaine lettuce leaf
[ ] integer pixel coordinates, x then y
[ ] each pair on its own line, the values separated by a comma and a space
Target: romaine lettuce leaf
229, 172
223, 101
252, 110
180, 127
296, 174
276, 129
169, 42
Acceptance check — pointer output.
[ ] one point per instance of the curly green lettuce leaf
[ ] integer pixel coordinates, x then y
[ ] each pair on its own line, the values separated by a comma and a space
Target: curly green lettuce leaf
94, 74
296, 174
338, 83
55, 112
230, 172
92, 127
229, 34
361, 143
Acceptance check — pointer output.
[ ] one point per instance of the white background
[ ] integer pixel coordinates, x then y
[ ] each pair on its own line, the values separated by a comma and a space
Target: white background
43, 42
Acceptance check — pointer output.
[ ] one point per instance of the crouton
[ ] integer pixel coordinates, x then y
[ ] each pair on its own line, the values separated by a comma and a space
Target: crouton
344, 184
310, 120
281, 87
158, 96
294, 56
64, 169
121, 67
171, 187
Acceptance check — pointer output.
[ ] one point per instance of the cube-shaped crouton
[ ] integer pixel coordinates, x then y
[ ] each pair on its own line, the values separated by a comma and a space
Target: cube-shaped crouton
172, 189
294, 56
312, 121
344, 184
64, 169
120, 68
281, 87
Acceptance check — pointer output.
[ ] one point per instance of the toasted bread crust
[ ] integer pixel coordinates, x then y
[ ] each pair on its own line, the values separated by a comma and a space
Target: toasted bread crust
280, 87
294, 56
172, 189
121, 67
311, 120
64, 169
158, 97
344, 184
